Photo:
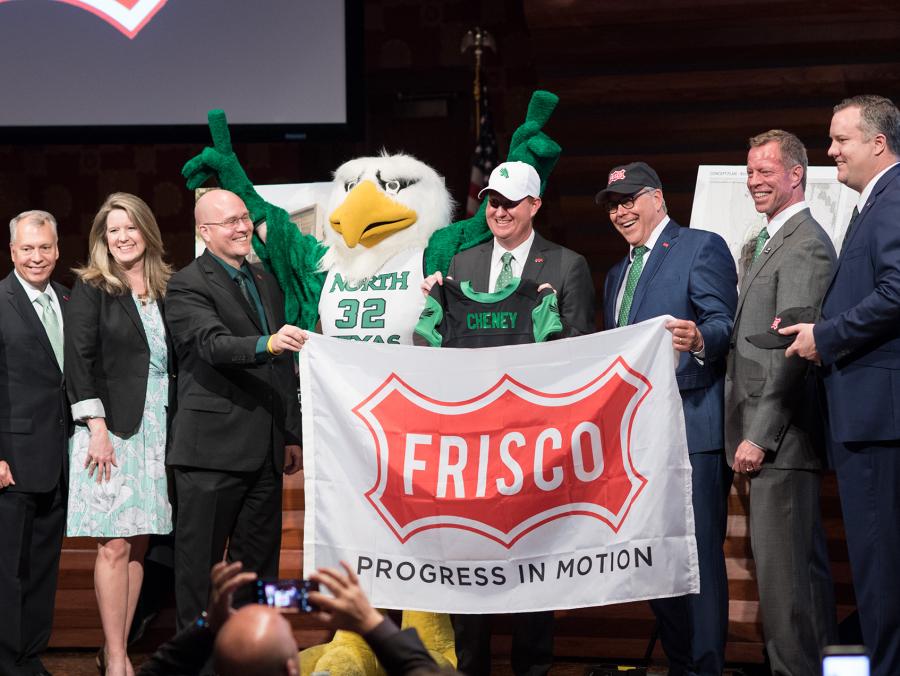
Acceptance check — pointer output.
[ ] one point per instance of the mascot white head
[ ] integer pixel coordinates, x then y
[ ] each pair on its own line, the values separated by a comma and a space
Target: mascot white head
379, 207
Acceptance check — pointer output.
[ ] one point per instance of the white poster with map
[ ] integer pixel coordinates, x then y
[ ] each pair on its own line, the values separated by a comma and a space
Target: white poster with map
722, 204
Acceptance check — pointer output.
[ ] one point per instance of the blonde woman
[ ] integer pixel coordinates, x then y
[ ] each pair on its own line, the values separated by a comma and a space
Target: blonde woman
117, 376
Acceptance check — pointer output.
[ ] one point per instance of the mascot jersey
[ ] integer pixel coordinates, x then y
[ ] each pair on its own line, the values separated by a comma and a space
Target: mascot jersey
381, 309
457, 316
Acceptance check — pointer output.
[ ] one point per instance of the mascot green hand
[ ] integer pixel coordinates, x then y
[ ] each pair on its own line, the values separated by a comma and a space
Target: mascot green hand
528, 144
296, 265
387, 229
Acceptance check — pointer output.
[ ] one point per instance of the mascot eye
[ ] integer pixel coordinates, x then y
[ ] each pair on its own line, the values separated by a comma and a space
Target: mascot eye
394, 185
349, 185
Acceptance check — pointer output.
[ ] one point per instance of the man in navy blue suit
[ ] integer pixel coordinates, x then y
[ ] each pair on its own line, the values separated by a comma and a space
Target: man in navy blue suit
857, 343
690, 275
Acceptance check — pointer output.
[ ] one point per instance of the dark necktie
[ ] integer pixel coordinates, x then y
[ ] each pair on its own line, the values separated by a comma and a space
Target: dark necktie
244, 285
853, 218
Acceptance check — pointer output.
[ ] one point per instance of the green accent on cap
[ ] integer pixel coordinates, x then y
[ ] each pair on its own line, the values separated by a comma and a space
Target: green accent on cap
504, 173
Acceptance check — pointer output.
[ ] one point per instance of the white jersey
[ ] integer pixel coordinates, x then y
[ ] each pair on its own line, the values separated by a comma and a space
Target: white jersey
381, 309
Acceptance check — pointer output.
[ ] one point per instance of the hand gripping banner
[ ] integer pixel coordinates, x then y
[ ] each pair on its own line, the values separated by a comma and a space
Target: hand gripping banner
509, 479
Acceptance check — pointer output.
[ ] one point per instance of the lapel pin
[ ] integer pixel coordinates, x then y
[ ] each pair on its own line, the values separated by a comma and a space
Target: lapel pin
665, 245
768, 249
538, 260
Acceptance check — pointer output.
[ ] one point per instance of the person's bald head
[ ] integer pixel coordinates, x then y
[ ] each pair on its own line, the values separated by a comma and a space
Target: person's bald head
256, 641
224, 224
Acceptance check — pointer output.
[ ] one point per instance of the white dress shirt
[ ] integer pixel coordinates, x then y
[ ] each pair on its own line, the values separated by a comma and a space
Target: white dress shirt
33, 293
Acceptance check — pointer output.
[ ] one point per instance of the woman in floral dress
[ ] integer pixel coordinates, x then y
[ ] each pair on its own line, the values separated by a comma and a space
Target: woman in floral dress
117, 378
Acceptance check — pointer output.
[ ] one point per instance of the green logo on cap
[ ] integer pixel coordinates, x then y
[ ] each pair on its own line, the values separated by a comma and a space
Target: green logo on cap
504, 173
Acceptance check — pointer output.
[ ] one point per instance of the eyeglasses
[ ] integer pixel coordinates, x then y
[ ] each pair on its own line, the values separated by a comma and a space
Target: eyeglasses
233, 221
628, 202
496, 201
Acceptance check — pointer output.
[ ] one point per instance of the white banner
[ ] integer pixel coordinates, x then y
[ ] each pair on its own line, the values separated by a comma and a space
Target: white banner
509, 479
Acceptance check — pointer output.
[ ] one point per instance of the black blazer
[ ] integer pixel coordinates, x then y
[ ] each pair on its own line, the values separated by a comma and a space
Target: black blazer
107, 355
34, 413
232, 408
565, 270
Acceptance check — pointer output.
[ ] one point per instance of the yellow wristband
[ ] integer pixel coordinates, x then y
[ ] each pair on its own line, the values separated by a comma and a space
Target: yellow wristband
269, 345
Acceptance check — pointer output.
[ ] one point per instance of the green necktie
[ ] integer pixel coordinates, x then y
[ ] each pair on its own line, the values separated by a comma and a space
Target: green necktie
506, 274
634, 274
51, 326
761, 240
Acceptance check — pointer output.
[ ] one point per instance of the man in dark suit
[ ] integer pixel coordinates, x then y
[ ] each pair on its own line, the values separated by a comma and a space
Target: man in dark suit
857, 342
787, 265
518, 251
237, 427
34, 432
688, 274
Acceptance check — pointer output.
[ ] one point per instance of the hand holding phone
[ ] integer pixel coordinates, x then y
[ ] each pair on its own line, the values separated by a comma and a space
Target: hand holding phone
288, 596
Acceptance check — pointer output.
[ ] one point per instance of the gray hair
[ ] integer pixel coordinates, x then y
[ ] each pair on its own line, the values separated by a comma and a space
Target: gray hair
877, 115
33, 217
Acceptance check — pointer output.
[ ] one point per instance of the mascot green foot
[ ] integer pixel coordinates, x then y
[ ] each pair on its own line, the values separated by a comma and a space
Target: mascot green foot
347, 654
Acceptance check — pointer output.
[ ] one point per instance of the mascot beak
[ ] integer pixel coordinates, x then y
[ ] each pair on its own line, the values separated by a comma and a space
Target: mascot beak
367, 216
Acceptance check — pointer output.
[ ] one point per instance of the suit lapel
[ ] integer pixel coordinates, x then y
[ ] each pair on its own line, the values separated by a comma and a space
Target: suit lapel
773, 245
481, 275
62, 295
859, 225
18, 299
266, 296
617, 274
217, 275
535, 258
127, 303
666, 241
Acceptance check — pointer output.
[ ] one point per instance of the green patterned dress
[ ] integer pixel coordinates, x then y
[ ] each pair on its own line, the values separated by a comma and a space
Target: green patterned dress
135, 500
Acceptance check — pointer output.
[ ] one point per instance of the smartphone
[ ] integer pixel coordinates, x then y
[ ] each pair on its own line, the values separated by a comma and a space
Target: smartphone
845, 660
288, 596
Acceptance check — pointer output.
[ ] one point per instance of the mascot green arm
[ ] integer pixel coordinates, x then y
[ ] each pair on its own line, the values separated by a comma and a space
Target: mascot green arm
528, 144
291, 256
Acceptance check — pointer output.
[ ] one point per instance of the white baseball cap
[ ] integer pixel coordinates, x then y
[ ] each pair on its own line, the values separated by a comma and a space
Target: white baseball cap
514, 180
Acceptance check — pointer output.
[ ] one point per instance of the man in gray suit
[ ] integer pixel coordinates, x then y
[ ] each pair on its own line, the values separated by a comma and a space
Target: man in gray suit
767, 436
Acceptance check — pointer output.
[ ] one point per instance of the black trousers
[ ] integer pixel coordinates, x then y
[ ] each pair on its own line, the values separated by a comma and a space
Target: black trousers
240, 510
532, 643
31, 528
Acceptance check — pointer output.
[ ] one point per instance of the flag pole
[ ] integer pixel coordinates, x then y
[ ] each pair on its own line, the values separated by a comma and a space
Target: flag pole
478, 40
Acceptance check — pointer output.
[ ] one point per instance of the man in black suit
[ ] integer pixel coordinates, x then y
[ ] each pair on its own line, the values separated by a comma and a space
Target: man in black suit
238, 422
34, 429
518, 251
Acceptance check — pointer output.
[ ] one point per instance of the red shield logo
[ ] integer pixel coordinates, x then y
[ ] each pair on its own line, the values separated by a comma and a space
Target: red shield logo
508, 460
128, 16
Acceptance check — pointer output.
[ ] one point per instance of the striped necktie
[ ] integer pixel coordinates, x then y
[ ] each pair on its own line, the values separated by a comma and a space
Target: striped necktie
634, 274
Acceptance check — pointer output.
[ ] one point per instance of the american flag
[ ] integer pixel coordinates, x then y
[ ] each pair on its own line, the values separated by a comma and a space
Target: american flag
485, 157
